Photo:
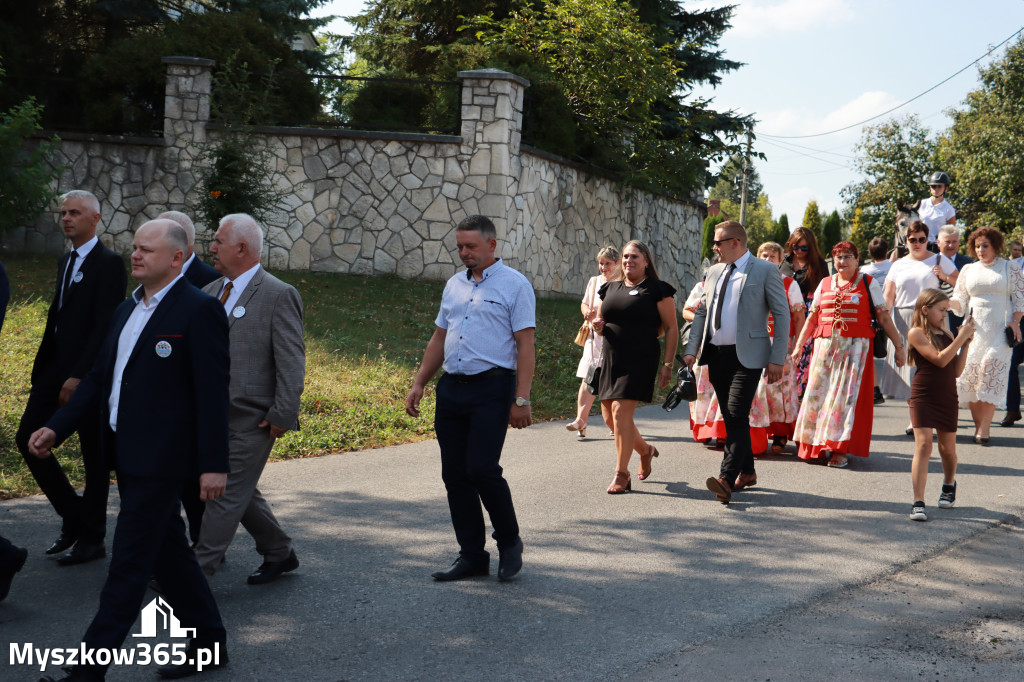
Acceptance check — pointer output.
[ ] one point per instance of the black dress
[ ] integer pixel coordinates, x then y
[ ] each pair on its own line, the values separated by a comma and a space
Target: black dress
632, 352
933, 397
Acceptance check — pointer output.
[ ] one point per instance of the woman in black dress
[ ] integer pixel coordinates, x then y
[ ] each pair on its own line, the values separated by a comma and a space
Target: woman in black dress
634, 309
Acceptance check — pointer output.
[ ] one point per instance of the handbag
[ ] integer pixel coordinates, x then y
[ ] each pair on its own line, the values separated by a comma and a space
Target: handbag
944, 287
582, 334
685, 388
1010, 339
880, 346
593, 378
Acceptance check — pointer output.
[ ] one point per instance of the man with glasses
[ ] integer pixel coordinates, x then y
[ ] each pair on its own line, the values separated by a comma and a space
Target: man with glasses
734, 343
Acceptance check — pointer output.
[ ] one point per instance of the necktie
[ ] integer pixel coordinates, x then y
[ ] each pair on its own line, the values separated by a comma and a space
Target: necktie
72, 257
227, 292
722, 294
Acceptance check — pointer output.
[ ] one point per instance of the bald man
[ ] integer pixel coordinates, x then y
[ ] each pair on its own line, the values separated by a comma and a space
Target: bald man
160, 383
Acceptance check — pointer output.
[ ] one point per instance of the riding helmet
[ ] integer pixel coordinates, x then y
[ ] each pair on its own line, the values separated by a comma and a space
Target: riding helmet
939, 178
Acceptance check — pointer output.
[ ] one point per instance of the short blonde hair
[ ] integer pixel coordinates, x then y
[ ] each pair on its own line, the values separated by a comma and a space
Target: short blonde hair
770, 247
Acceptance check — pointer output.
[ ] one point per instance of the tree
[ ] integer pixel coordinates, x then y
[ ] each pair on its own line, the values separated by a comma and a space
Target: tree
758, 223
983, 150
782, 232
24, 173
895, 157
729, 181
708, 235
832, 231
812, 221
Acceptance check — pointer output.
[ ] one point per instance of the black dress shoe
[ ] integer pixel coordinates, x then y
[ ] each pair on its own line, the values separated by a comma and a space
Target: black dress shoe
63, 542
83, 553
8, 570
461, 569
510, 561
270, 571
214, 655
1010, 418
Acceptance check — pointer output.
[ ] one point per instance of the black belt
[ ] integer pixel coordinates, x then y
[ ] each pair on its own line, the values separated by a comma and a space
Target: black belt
492, 372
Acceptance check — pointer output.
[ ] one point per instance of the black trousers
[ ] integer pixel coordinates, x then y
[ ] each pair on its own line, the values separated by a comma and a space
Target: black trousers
735, 387
85, 515
1013, 388
471, 420
149, 539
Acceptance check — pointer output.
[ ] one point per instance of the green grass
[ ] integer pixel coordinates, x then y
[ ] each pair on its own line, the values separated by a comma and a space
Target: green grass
364, 340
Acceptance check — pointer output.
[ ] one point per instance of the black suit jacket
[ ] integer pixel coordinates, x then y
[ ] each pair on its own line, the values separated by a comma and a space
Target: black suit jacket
200, 274
172, 418
75, 331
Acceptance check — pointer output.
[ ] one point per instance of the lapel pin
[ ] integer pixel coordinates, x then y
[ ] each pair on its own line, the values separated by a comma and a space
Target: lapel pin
78, 277
238, 312
163, 349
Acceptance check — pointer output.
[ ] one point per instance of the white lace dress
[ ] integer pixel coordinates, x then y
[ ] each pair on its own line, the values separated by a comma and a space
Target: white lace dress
992, 294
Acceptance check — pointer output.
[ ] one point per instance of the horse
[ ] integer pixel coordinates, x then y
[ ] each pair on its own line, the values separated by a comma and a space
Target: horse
905, 215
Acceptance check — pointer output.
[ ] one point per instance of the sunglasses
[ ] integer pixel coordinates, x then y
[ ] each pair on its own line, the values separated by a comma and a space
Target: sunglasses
802, 248
719, 242
917, 240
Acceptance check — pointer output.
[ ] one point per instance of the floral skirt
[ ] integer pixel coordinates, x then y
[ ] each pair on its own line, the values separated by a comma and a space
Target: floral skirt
706, 422
838, 406
783, 399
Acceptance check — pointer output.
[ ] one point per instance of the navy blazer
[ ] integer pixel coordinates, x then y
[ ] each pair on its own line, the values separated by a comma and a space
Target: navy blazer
74, 332
200, 274
172, 418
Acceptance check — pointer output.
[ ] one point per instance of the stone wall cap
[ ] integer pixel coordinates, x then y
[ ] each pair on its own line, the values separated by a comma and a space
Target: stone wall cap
494, 75
189, 61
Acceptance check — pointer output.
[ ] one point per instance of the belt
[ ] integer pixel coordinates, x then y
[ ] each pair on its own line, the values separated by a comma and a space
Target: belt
486, 374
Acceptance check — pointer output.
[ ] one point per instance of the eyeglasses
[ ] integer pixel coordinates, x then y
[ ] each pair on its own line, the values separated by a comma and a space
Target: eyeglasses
917, 240
719, 242
802, 248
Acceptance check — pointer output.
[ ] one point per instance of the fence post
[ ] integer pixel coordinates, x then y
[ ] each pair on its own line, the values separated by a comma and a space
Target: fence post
186, 113
492, 125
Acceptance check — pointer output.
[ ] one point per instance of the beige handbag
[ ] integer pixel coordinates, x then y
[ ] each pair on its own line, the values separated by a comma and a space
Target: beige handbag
582, 335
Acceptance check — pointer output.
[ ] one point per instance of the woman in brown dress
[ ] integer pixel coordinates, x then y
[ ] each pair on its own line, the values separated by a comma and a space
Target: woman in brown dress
933, 397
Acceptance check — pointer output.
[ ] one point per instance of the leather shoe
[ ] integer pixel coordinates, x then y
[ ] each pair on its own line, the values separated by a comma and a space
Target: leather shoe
83, 553
63, 542
269, 571
510, 561
1010, 418
744, 481
463, 568
216, 652
8, 570
721, 488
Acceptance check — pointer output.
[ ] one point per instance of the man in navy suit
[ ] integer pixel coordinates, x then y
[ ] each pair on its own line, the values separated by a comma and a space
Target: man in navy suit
91, 281
161, 384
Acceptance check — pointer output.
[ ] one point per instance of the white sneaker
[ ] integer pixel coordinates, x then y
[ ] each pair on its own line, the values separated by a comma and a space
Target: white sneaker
917, 513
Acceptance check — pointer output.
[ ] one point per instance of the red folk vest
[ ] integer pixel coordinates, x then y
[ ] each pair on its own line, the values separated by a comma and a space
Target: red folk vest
786, 281
840, 315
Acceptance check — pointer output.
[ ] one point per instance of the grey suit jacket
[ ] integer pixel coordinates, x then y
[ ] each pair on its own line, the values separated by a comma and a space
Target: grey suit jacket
268, 355
761, 292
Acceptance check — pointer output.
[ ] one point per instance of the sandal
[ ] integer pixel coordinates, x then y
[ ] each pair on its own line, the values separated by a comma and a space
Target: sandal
838, 461
620, 483
645, 462
580, 427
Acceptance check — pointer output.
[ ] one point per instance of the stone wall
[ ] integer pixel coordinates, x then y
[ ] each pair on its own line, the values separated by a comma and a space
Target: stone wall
380, 203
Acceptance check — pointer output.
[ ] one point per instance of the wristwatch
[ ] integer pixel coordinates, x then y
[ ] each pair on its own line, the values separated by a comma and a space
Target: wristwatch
522, 402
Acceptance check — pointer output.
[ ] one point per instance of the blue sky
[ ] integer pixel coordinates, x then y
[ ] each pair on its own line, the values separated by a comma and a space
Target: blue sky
813, 66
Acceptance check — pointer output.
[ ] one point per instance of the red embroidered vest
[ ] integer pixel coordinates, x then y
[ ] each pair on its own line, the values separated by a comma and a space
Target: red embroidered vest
844, 312
786, 281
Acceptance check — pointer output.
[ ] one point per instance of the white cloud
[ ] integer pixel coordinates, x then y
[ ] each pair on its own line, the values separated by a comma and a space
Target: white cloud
790, 16
792, 121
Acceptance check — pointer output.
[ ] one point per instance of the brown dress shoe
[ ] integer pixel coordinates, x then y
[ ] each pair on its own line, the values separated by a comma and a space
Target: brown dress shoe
744, 481
721, 488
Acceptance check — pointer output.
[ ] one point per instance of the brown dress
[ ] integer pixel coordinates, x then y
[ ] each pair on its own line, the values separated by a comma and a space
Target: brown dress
933, 398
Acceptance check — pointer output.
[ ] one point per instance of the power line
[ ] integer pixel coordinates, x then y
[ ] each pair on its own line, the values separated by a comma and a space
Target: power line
898, 106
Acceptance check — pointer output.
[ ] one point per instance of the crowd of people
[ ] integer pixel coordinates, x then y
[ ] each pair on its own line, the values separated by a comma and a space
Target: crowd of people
788, 346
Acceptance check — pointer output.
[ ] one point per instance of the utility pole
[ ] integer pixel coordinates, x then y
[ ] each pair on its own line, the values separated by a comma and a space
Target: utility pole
746, 173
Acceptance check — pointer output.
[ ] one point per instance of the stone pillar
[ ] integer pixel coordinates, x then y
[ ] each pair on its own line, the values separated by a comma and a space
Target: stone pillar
186, 113
492, 124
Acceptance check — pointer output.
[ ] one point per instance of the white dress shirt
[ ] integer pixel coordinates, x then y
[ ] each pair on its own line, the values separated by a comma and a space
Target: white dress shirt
726, 334
238, 285
83, 251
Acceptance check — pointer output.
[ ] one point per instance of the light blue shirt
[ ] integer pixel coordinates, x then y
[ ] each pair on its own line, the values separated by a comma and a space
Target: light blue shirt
480, 318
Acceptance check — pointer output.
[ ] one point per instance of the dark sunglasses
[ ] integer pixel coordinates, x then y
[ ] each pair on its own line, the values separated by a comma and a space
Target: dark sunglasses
917, 240
801, 248
722, 241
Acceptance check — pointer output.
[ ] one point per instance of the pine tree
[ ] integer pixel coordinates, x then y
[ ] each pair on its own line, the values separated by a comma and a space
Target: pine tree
812, 221
781, 234
832, 231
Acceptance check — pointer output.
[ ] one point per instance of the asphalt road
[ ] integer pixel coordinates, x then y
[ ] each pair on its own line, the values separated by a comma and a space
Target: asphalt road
815, 573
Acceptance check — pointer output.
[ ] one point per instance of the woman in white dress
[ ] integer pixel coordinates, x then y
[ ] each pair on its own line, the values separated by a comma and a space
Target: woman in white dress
907, 278
991, 290
608, 264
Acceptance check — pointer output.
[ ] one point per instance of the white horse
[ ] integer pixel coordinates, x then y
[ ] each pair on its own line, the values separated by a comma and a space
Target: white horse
905, 216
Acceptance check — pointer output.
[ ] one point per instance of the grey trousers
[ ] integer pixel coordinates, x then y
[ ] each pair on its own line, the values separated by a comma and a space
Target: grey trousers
242, 503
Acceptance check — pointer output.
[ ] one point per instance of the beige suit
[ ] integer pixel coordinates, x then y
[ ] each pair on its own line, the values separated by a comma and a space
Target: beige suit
268, 364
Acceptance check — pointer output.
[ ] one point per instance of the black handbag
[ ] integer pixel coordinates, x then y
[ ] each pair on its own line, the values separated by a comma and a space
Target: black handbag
593, 378
1010, 339
685, 388
879, 347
